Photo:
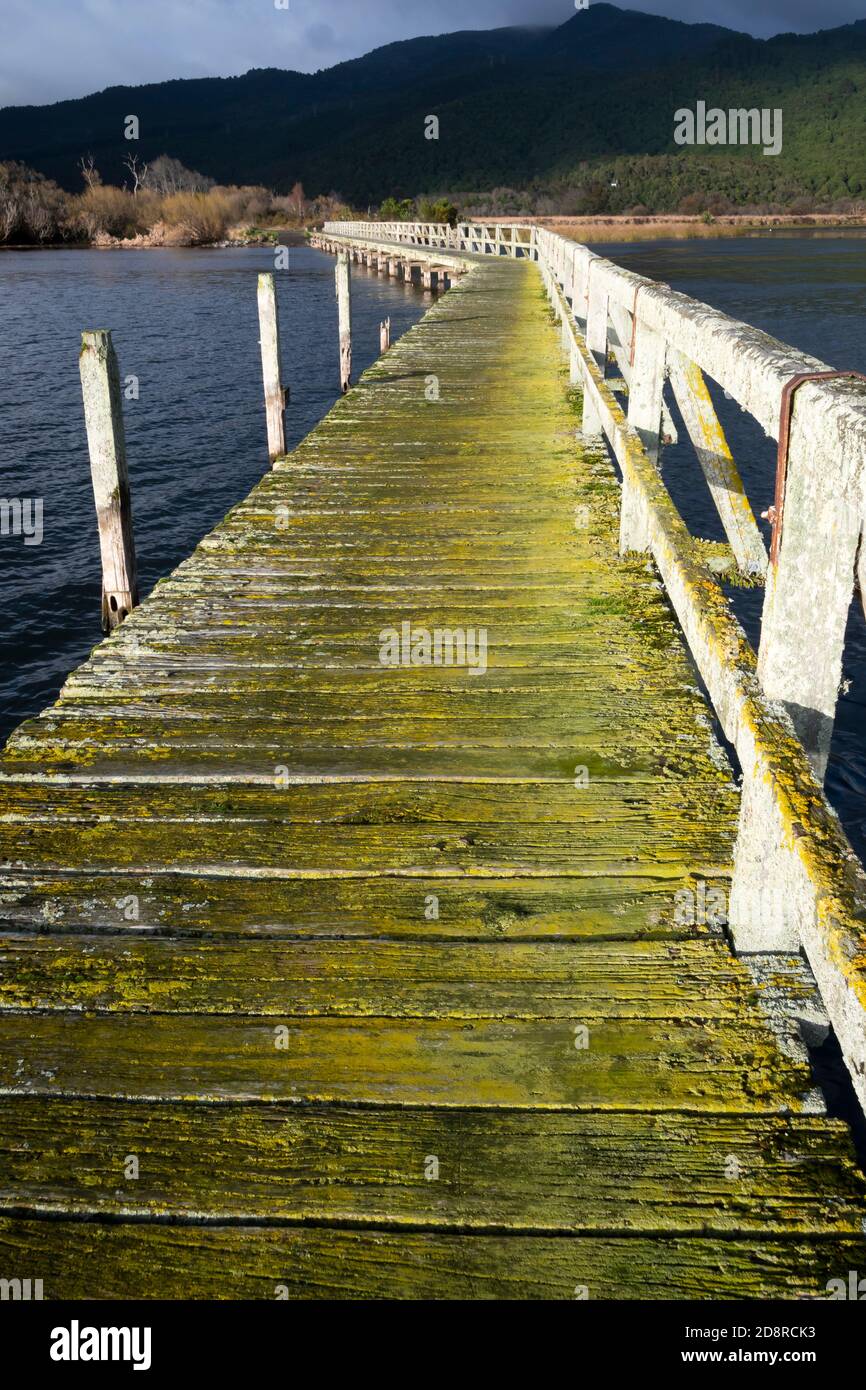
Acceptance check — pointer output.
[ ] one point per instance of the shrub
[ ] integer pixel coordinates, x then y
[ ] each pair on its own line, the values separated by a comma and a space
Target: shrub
106, 211
394, 211
202, 216
438, 210
32, 208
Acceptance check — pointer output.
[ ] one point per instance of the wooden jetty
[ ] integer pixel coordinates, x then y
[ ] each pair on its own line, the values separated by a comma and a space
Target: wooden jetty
345, 947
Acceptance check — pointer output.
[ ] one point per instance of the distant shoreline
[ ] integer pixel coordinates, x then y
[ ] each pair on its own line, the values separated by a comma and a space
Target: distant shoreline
681, 227
599, 229
284, 236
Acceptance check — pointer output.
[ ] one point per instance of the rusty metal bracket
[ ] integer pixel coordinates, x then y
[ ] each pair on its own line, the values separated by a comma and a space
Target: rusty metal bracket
775, 513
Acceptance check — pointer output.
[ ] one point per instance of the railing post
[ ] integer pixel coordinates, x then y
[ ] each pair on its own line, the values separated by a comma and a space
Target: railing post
645, 414
552, 285
596, 341
570, 278
582, 284
344, 307
806, 605
269, 338
106, 443
809, 588
766, 894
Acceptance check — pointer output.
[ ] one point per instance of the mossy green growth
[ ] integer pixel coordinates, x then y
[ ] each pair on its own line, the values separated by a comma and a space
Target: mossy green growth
288, 921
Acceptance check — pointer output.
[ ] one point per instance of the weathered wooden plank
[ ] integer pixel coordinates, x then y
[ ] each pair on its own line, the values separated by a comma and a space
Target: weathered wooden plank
92, 1260
652, 1066
574, 826
494, 1170
464, 705
153, 681
585, 822
640, 903
596, 848
529, 804
612, 980
364, 727
258, 761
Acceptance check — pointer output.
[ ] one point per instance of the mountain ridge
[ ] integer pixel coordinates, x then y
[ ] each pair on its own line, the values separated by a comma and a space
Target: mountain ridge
518, 106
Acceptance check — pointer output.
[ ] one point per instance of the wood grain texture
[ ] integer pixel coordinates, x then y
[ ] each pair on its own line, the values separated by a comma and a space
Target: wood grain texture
500, 1170
444, 979
653, 1065
287, 923
92, 1261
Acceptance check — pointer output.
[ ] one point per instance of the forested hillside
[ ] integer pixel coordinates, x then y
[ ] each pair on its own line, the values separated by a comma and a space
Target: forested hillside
582, 116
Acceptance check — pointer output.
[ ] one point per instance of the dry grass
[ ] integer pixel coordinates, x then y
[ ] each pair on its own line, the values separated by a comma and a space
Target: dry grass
680, 227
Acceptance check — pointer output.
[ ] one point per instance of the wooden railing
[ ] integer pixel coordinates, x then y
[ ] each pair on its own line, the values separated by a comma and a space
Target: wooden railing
502, 238
796, 880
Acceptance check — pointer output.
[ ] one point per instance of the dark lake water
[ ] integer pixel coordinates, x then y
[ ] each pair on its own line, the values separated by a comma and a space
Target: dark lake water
809, 291
186, 324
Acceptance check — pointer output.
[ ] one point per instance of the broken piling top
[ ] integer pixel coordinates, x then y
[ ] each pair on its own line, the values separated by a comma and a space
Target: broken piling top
106, 443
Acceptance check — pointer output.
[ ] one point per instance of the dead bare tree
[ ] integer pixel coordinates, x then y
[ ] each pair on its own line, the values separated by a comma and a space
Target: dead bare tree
166, 175
89, 171
138, 174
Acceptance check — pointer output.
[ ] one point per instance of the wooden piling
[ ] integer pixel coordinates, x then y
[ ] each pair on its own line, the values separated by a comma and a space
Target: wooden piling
344, 304
385, 335
275, 395
106, 443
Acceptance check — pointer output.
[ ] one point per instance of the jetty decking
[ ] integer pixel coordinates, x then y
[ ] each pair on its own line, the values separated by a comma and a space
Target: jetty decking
326, 977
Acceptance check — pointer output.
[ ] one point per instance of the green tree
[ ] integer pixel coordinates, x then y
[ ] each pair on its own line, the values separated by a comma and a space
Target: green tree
394, 211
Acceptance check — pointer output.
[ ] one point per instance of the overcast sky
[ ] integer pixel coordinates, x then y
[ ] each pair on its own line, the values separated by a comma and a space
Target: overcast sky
50, 49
